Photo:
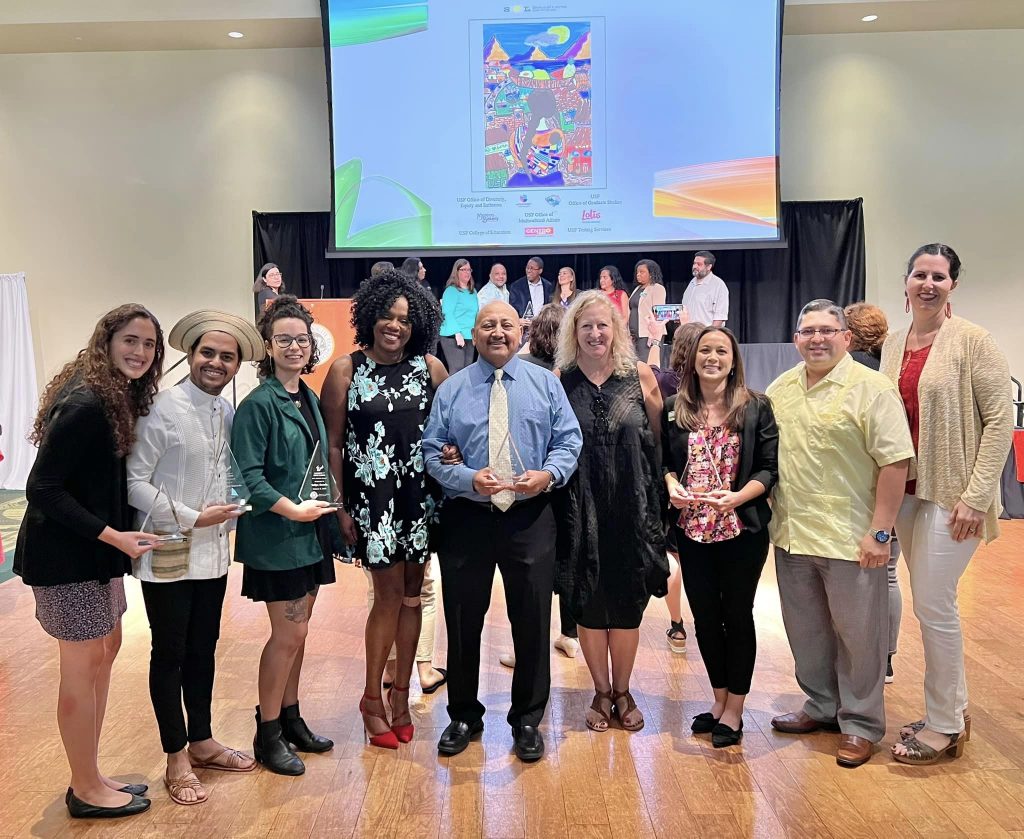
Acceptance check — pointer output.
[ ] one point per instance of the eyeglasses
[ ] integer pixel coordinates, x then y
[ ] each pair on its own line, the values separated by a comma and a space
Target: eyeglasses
826, 332
285, 341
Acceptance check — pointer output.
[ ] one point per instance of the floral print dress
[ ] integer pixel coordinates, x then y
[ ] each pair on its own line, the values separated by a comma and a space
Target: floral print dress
386, 488
713, 461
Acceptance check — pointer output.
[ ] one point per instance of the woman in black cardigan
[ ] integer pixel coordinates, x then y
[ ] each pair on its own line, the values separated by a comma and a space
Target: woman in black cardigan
76, 541
721, 447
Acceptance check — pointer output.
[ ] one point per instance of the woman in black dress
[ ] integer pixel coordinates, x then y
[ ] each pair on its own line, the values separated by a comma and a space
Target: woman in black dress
76, 542
611, 556
376, 402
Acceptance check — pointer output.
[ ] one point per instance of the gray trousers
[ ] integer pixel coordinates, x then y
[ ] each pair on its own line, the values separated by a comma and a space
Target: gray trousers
836, 617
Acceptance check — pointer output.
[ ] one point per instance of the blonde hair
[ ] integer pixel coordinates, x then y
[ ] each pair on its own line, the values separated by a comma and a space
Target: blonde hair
556, 294
622, 352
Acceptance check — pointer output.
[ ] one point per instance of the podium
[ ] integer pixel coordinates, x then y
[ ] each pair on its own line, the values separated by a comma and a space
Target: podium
334, 335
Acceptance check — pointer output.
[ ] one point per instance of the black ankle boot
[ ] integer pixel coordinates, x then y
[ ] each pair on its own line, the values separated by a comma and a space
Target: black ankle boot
297, 732
272, 750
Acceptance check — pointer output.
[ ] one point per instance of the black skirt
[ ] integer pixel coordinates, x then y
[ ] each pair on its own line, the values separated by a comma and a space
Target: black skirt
292, 584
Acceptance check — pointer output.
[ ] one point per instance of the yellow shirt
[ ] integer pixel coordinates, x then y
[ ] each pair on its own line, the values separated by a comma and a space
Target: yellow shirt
833, 439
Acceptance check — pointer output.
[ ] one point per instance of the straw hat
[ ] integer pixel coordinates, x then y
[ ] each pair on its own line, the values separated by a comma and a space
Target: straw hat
193, 326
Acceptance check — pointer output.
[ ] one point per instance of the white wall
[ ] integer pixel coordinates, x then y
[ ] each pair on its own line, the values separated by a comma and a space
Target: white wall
133, 176
929, 128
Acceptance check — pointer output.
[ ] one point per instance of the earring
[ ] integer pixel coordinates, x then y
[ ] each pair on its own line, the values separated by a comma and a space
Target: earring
949, 309
908, 303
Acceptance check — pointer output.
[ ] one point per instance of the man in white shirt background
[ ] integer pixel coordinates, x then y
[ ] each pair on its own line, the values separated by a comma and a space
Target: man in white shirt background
181, 446
706, 299
495, 290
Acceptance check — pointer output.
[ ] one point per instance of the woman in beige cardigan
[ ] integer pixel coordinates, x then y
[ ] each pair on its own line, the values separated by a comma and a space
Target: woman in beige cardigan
645, 331
955, 384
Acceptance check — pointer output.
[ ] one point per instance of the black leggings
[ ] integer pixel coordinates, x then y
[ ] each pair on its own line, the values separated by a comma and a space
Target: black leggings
184, 617
720, 579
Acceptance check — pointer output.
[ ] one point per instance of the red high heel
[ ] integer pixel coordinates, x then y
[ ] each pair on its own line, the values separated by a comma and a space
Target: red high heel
402, 732
385, 740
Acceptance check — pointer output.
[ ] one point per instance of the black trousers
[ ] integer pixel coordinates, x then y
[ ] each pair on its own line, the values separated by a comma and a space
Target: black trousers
476, 539
184, 618
565, 618
720, 579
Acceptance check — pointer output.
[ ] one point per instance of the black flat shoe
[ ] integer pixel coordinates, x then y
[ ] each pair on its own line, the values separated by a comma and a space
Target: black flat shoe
722, 735
433, 688
529, 744
455, 738
704, 723
296, 732
78, 809
134, 789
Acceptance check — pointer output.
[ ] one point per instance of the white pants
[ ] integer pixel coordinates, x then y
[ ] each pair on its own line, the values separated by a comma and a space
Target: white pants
936, 562
428, 598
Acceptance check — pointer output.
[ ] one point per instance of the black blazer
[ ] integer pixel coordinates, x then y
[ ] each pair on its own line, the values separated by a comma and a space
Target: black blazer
519, 294
759, 455
77, 486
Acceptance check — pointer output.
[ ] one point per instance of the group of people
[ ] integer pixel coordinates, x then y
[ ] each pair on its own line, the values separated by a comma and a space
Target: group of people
575, 469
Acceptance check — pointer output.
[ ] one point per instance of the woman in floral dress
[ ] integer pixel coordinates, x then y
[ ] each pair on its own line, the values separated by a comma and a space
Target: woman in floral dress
376, 402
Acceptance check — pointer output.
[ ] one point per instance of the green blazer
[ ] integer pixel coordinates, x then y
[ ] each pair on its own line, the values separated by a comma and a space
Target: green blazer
272, 447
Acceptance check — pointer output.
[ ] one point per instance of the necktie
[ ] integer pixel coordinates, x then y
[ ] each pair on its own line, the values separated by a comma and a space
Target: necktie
499, 446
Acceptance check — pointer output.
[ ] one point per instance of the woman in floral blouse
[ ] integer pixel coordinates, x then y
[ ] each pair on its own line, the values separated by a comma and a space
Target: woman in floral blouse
721, 463
376, 402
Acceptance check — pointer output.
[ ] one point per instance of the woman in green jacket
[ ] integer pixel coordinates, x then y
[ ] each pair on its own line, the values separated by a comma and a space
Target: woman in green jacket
275, 431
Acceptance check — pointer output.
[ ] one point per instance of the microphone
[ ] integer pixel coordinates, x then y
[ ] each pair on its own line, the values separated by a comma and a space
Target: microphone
321, 291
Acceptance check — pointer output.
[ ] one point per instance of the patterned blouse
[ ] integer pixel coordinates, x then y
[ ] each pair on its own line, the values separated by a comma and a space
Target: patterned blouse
714, 458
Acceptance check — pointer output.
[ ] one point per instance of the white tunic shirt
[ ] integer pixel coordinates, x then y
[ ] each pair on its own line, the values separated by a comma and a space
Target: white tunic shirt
175, 447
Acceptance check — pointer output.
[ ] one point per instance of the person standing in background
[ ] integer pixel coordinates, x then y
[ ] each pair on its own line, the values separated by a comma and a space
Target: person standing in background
528, 294
180, 447
644, 329
459, 305
495, 290
868, 328
610, 282
706, 299
268, 285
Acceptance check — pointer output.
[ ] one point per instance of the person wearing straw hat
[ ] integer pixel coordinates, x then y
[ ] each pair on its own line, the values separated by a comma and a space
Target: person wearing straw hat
181, 460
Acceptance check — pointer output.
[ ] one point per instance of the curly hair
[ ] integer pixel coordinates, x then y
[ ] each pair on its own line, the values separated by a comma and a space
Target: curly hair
124, 400
653, 269
544, 331
622, 352
868, 327
374, 300
682, 342
690, 398
285, 306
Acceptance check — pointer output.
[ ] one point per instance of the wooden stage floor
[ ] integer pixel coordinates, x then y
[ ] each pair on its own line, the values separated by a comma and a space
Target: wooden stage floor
659, 782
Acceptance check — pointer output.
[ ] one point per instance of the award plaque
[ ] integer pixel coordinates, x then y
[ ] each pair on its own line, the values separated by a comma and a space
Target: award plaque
318, 485
226, 484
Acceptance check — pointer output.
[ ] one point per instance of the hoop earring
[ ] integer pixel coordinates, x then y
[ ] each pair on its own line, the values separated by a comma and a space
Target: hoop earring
908, 303
949, 309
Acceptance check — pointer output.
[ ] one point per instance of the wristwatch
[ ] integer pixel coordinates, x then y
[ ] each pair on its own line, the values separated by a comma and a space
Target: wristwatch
551, 483
882, 536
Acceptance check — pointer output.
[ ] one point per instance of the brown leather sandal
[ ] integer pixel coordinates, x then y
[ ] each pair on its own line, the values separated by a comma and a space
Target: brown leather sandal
630, 723
600, 719
186, 781
911, 729
226, 760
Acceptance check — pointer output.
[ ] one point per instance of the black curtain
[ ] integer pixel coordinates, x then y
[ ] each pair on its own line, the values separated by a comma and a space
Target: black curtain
767, 286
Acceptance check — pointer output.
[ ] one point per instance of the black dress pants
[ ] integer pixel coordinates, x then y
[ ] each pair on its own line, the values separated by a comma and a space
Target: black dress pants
475, 539
720, 579
184, 618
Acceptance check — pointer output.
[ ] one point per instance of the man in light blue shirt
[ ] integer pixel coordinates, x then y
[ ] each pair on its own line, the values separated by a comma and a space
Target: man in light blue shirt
484, 526
495, 291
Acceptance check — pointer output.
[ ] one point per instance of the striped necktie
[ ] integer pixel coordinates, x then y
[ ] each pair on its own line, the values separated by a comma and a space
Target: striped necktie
499, 444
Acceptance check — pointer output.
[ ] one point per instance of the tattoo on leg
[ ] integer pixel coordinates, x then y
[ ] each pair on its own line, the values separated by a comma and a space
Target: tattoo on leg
295, 610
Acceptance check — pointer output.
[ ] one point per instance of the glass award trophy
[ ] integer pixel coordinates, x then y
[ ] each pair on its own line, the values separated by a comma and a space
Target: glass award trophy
227, 484
508, 445
318, 485
162, 520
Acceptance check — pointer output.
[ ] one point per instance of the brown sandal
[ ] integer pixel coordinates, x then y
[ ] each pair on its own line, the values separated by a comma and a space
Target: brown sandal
603, 718
911, 729
186, 781
632, 724
226, 760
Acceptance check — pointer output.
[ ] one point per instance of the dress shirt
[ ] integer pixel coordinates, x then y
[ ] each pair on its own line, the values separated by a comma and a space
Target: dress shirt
707, 300
833, 439
543, 424
175, 447
537, 295
491, 293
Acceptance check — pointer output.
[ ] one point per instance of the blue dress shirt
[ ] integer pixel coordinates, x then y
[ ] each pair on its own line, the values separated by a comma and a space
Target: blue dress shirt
543, 425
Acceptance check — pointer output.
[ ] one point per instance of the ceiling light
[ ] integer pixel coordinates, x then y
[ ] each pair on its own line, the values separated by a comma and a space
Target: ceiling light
869, 18
235, 35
